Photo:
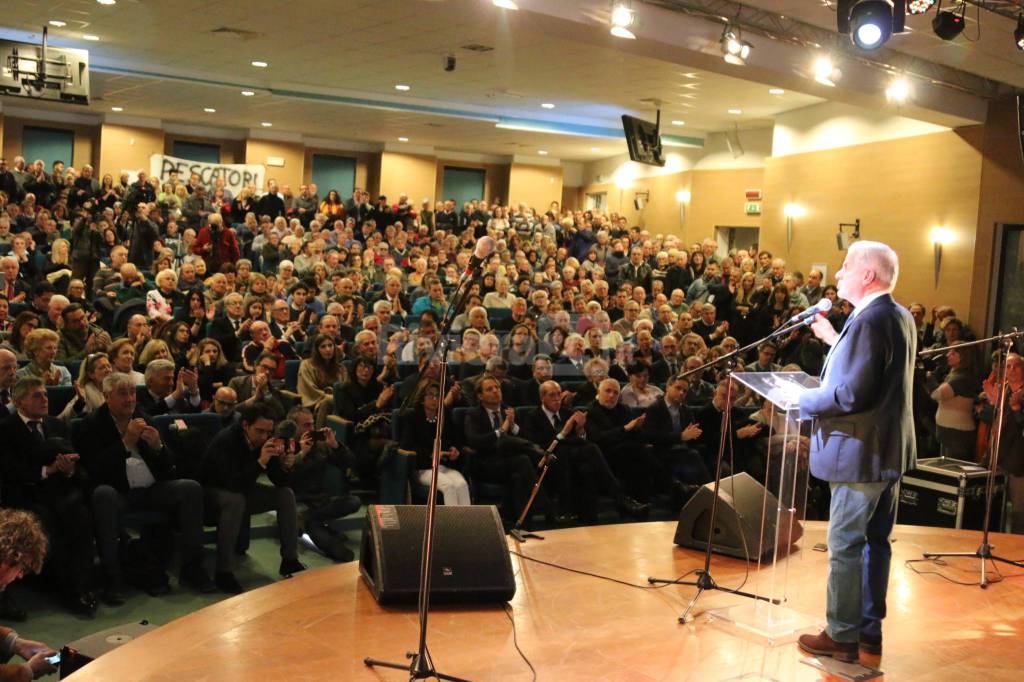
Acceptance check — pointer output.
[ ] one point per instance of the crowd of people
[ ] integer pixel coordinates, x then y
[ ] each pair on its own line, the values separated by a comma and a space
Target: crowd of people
311, 327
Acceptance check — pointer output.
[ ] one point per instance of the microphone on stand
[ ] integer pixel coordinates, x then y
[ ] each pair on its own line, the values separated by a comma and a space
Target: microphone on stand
822, 307
484, 248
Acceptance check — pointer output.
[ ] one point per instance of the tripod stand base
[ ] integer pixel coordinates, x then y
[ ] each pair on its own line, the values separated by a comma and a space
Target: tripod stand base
521, 535
418, 670
984, 553
772, 623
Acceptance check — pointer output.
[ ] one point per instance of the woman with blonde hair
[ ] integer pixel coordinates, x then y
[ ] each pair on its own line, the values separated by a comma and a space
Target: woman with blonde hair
89, 387
155, 349
58, 268
41, 349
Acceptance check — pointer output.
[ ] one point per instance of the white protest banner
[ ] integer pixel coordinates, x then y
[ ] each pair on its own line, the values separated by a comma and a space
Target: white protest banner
236, 175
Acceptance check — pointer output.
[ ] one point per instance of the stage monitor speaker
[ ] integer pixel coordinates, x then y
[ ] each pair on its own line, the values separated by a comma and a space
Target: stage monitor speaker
471, 560
87, 649
738, 520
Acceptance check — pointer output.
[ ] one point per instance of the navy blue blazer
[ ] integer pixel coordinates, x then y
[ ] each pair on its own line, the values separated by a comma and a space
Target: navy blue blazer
864, 425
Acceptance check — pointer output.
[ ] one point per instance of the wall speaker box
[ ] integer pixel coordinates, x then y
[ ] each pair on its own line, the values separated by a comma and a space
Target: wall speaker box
471, 561
738, 520
87, 649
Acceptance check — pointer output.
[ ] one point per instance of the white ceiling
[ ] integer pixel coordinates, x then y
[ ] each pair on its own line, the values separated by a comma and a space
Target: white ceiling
160, 60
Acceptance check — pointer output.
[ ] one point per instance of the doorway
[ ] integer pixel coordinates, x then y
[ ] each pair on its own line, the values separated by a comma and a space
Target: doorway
739, 238
1006, 296
463, 185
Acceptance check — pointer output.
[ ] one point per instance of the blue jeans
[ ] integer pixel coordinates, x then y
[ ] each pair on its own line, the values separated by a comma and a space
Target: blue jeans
861, 519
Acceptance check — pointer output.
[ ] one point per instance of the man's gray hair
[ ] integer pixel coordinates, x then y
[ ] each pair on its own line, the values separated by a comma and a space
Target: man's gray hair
25, 384
158, 365
880, 259
115, 380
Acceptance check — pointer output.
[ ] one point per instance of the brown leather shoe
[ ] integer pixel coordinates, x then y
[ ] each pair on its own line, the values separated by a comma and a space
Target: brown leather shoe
823, 645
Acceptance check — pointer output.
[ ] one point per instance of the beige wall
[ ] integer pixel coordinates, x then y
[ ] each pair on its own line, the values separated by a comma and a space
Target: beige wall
413, 174
293, 153
900, 190
537, 186
85, 145
1001, 199
128, 148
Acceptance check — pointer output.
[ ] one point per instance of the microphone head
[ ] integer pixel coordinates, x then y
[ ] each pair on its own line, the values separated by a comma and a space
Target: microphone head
824, 305
287, 429
484, 247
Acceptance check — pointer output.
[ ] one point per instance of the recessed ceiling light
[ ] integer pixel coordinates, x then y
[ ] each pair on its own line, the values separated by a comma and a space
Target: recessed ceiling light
776, 91
117, 108
403, 87
58, 23
259, 64
595, 149
210, 110
677, 122
543, 152
505, 4
107, 2
89, 36
548, 105
266, 124
247, 93
403, 139
735, 112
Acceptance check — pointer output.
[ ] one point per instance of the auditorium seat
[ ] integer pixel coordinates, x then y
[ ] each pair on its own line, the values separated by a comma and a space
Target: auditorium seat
59, 397
291, 375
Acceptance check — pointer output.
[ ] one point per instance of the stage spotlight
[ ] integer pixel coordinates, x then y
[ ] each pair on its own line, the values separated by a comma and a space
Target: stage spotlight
735, 50
1018, 33
622, 18
870, 23
898, 91
824, 71
919, 6
949, 24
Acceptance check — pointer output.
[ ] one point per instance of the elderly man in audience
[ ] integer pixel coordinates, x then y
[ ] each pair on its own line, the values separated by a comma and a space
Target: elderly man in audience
263, 342
129, 468
166, 394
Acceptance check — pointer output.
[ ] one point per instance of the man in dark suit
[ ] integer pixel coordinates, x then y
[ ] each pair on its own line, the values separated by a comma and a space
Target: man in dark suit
501, 456
39, 473
8, 374
861, 443
580, 470
164, 395
130, 468
230, 328
672, 430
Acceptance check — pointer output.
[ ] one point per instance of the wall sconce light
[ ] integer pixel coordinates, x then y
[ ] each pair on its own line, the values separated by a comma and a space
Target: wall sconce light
940, 237
683, 197
792, 211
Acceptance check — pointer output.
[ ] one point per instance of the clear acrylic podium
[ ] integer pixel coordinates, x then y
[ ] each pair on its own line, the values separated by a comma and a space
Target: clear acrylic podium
786, 477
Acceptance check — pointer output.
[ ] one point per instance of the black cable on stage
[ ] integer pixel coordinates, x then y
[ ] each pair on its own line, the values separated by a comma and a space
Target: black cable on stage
597, 575
939, 562
515, 641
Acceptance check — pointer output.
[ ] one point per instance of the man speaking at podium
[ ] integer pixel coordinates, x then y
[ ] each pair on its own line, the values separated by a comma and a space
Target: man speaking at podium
862, 441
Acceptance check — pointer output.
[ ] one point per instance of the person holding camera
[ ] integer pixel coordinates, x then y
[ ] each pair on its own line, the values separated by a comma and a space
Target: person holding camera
22, 549
315, 450
234, 461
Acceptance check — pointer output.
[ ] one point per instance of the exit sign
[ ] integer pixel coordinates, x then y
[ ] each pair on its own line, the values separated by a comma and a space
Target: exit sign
753, 208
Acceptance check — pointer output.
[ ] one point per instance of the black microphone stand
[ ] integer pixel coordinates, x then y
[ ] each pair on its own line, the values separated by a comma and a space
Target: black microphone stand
984, 551
705, 581
420, 665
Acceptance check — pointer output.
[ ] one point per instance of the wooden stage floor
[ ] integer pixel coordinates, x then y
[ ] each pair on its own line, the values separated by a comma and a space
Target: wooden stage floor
320, 624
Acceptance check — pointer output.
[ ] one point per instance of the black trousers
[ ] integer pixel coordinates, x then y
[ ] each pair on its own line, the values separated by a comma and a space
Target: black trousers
641, 473
579, 473
514, 467
68, 525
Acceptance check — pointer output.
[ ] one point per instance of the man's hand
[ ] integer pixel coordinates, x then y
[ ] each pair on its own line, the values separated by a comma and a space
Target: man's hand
748, 431
259, 383
271, 448
151, 437
824, 330
568, 397
39, 665
66, 463
132, 432
510, 420
691, 432
634, 423
385, 396
305, 444
27, 648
